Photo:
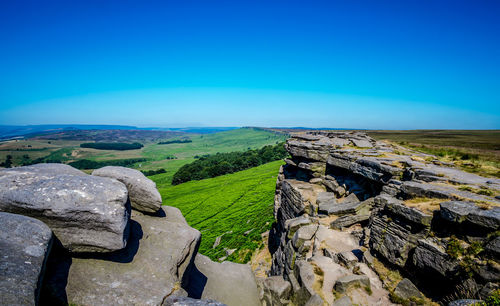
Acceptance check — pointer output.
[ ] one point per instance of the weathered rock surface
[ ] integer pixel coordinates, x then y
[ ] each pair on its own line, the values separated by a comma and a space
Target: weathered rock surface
151, 267
405, 289
25, 243
277, 291
86, 213
348, 281
230, 283
343, 196
186, 301
142, 191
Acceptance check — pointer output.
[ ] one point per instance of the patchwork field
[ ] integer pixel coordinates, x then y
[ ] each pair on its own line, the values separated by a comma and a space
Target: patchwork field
167, 156
237, 207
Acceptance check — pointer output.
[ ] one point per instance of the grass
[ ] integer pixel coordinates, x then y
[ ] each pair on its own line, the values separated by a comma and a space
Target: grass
228, 205
474, 151
158, 156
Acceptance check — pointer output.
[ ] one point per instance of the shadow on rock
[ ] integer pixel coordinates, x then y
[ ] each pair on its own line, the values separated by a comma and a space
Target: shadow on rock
159, 214
197, 283
53, 289
125, 255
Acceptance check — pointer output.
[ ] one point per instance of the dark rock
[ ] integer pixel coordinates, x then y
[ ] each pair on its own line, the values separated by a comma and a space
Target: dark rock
86, 213
406, 290
25, 243
430, 256
142, 191
151, 268
493, 247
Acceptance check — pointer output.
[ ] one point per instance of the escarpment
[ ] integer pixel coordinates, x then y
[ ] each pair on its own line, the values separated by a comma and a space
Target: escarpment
72, 238
370, 223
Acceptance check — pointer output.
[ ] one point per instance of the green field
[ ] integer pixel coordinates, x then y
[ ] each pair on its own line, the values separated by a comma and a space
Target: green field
475, 151
168, 156
228, 205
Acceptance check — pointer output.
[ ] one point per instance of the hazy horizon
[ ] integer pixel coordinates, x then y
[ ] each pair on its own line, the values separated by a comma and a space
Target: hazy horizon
365, 65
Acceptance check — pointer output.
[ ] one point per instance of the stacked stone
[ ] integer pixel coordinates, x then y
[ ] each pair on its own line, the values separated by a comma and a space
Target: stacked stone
69, 237
341, 198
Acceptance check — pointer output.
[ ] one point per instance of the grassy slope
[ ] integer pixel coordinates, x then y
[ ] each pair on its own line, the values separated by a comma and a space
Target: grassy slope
236, 202
228, 141
476, 151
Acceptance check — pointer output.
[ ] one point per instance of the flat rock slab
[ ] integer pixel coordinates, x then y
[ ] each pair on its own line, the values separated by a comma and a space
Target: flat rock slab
227, 282
24, 243
142, 191
151, 268
187, 301
362, 143
42, 170
86, 213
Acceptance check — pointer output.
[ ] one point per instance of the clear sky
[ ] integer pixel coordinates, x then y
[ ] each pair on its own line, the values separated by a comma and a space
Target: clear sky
345, 64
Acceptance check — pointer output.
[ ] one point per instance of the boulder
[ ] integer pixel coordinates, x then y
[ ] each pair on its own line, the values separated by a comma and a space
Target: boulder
345, 282
277, 291
86, 213
25, 243
151, 268
230, 283
348, 259
405, 289
142, 191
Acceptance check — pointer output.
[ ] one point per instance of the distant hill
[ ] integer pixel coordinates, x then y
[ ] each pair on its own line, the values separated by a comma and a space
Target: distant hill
26, 131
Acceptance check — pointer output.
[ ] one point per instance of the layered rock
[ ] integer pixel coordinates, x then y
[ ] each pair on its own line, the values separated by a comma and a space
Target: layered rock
343, 197
25, 243
142, 191
86, 213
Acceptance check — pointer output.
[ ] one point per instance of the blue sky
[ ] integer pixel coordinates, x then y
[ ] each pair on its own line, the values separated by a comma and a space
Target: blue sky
350, 64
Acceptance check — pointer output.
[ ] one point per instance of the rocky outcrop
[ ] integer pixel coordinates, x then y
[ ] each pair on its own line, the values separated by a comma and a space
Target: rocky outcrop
89, 215
151, 268
142, 191
25, 243
344, 198
86, 213
230, 283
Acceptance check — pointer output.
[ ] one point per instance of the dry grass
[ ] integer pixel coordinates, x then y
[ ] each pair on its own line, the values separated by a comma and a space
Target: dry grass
390, 278
426, 205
